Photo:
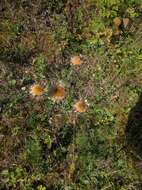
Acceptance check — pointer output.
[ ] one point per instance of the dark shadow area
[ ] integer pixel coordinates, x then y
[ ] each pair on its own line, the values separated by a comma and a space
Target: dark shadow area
134, 131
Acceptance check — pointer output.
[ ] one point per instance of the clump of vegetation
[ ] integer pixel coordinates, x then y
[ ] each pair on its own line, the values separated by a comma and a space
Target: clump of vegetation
61, 51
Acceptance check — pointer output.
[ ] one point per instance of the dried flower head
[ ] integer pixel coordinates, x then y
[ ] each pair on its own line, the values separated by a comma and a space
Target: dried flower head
76, 60
57, 93
117, 21
80, 106
36, 90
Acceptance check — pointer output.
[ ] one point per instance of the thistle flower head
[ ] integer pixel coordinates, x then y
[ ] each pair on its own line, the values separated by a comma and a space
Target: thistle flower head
76, 60
57, 93
36, 90
117, 21
80, 106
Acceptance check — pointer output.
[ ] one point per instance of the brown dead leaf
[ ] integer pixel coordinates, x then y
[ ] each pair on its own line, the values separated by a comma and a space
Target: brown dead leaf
125, 22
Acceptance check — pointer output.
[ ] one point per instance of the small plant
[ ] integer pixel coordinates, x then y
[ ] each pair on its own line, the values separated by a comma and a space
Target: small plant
14, 177
39, 65
47, 140
41, 187
33, 151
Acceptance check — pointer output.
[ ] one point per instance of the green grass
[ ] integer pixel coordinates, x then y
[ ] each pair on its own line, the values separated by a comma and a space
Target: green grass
44, 144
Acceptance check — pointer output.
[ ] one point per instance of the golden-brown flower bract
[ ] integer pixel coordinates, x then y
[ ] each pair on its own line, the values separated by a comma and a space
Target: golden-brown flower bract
36, 90
76, 60
57, 93
117, 21
80, 106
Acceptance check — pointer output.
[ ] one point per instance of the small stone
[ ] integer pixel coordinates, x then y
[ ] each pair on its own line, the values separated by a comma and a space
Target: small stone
23, 88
